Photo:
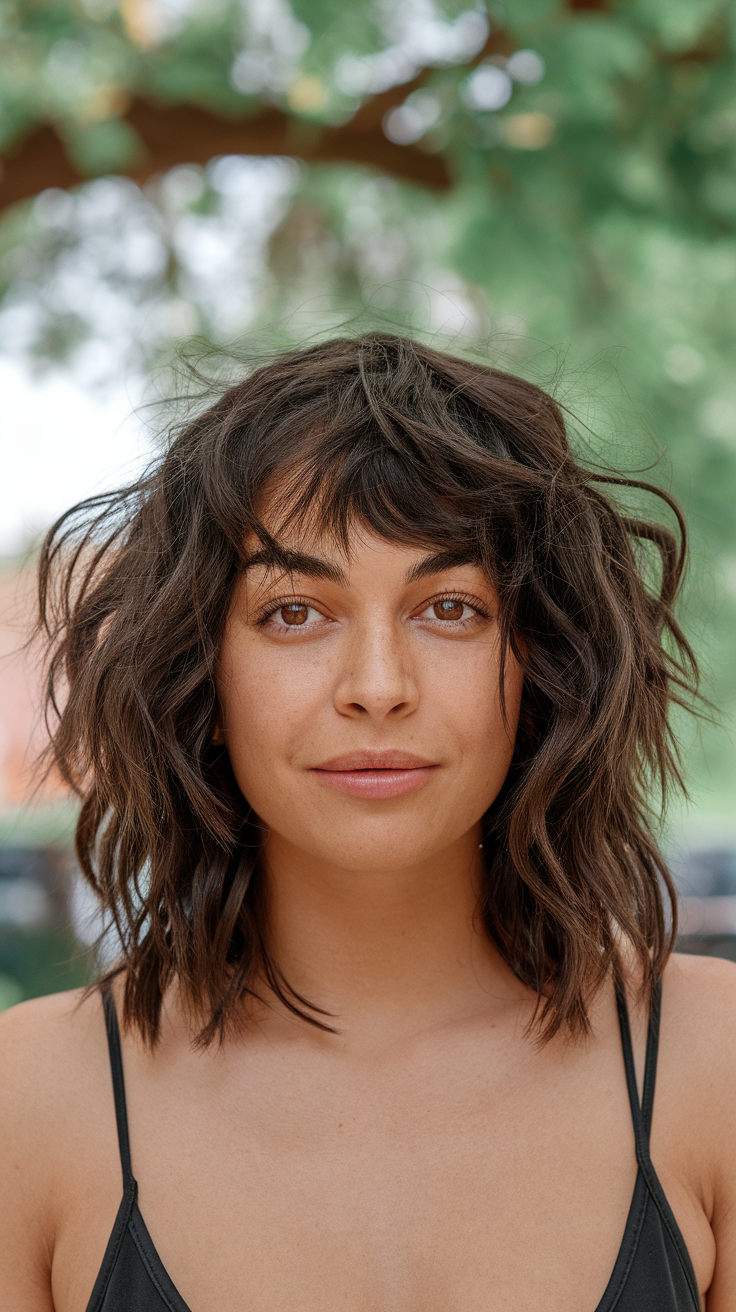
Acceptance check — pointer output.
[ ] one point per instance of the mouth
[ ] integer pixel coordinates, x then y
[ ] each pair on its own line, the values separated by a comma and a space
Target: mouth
375, 775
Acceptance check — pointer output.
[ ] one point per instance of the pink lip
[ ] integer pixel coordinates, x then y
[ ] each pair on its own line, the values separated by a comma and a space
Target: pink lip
374, 775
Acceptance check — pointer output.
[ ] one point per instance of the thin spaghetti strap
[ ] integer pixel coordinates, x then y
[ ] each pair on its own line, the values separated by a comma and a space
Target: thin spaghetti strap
118, 1083
636, 1116
650, 1068
641, 1113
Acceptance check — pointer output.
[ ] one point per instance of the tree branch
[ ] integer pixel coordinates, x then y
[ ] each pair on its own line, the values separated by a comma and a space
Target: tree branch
189, 134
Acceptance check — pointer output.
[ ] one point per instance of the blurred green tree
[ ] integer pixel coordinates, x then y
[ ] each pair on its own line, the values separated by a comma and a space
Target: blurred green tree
540, 175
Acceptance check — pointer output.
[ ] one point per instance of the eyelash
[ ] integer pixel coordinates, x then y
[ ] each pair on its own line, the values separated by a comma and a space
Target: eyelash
273, 607
467, 600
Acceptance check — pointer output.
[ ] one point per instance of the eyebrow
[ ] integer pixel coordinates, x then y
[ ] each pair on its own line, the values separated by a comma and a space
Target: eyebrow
285, 560
449, 558
289, 561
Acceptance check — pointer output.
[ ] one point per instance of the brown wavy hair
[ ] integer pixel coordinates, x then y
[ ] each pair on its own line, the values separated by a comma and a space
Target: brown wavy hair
425, 449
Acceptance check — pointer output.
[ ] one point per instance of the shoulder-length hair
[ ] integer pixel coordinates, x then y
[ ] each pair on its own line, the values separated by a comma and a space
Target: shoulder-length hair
425, 449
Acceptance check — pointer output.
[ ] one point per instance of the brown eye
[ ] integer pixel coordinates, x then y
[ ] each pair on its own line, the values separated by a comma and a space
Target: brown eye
294, 613
449, 609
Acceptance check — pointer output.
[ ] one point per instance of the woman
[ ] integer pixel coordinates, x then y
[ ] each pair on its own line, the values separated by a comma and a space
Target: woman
364, 691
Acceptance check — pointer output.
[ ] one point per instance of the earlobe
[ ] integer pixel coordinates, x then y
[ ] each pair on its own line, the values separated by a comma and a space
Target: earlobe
218, 736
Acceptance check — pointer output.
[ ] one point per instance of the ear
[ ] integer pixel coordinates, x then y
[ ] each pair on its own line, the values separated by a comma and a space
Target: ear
218, 736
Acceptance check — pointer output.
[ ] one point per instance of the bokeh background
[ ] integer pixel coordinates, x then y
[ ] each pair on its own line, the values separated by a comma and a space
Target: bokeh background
548, 185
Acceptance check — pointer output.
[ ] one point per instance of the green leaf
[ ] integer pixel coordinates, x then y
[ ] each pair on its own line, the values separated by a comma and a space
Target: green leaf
103, 147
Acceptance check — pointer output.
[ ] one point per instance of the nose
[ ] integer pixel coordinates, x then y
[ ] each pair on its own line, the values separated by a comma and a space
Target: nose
376, 679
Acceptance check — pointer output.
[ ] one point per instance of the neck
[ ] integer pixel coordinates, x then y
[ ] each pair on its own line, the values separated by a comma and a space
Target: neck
388, 952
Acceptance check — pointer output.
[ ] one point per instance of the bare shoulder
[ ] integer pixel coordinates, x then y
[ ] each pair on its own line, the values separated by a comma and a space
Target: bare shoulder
51, 1071
27, 1018
45, 1035
699, 1002
51, 1059
699, 1019
697, 1067
696, 1101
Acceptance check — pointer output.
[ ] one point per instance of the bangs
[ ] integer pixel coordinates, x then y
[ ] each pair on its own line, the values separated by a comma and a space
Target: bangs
403, 452
380, 493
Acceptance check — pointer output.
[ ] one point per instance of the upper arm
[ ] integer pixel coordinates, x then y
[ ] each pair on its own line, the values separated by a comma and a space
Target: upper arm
28, 1129
699, 1031
720, 1093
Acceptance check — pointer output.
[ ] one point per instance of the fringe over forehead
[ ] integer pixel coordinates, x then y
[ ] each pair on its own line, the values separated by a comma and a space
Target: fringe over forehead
421, 448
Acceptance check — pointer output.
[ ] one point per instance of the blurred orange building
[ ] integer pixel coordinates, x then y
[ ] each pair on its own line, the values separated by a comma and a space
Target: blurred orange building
21, 726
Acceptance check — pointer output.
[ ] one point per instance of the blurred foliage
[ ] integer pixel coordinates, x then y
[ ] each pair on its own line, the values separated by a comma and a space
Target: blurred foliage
36, 962
589, 238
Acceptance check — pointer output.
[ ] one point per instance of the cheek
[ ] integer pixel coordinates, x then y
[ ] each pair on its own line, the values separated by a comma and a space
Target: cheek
468, 699
492, 759
484, 736
267, 707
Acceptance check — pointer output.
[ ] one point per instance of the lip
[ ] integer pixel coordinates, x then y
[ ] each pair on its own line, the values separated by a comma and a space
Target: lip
375, 775
387, 759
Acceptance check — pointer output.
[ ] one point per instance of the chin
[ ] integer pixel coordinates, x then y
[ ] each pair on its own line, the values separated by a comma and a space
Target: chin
381, 854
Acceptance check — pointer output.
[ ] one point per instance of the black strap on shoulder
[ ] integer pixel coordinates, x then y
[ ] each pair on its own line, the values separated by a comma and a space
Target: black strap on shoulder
641, 1115
650, 1066
641, 1112
118, 1083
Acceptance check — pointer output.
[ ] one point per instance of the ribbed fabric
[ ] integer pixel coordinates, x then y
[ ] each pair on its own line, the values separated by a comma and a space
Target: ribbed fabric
653, 1271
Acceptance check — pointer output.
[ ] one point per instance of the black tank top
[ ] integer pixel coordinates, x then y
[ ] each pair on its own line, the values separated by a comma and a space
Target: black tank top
652, 1273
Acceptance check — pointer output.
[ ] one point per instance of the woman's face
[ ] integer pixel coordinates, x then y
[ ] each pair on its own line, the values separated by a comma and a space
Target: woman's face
360, 700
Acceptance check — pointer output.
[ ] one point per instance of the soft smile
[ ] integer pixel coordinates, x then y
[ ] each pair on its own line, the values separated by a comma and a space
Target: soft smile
375, 775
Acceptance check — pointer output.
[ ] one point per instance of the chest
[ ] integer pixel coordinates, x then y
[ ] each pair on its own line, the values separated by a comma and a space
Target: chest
452, 1183
434, 1216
